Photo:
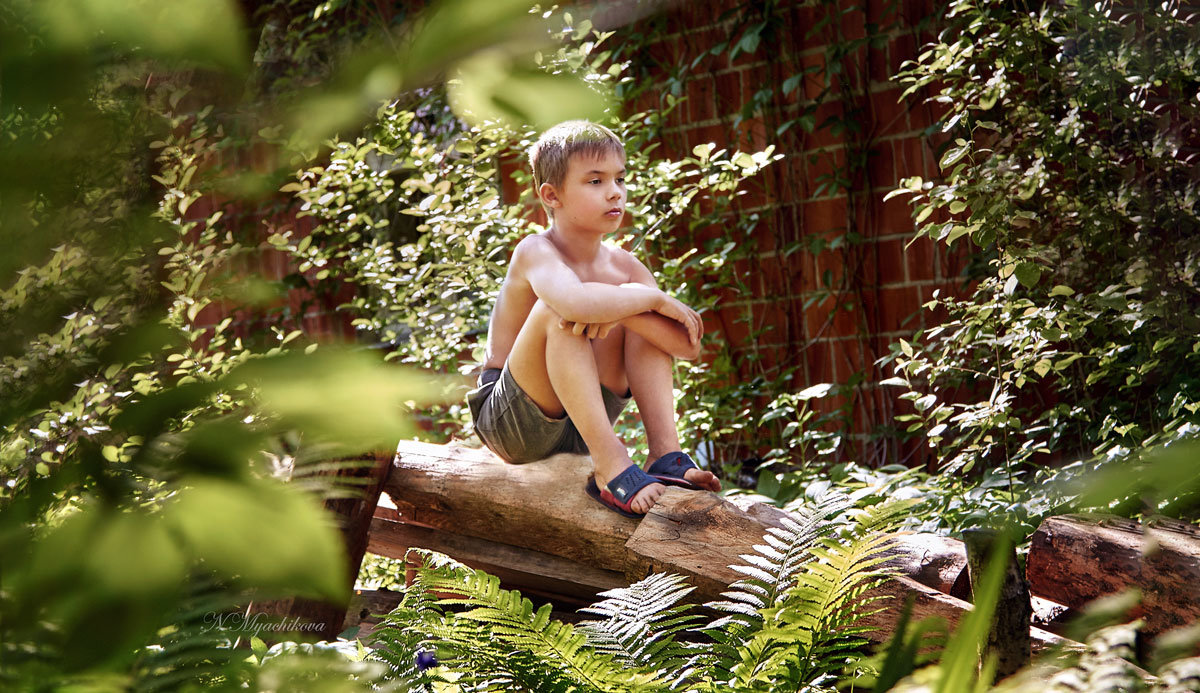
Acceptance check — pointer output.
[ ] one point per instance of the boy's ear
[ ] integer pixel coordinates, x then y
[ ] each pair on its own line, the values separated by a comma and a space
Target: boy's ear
549, 196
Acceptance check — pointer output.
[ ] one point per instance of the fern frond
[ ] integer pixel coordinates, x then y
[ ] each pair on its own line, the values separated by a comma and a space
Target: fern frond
500, 625
641, 622
796, 638
192, 650
770, 573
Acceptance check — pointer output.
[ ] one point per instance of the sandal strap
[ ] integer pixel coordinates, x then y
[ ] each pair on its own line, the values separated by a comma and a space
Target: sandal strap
672, 464
625, 485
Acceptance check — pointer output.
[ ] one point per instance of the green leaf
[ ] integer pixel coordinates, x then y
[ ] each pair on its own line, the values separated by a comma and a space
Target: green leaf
1028, 274
1061, 290
345, 397
267, 534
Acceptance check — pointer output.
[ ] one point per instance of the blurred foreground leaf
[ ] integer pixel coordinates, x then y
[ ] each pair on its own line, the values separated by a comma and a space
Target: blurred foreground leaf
267, 534
205, 31
498, 86
1168, 475
347, 397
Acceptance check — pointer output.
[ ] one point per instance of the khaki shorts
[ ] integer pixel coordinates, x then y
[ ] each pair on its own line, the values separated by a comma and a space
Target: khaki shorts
516, 429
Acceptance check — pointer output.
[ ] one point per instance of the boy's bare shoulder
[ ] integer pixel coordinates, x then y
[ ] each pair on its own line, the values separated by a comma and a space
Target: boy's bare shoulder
628, 262
532, 250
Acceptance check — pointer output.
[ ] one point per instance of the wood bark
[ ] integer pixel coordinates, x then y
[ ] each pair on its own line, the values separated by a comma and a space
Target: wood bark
542, 507
1074, 560
533, 572
353, 515
1008, 637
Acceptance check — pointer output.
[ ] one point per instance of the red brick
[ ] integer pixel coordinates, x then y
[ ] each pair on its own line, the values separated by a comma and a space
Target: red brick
664, 52
814, 82
850, 356
881, 166
919, 258
699, 135
910, 157
822, 169
892, 259
752, 134
821, 216
728, 87
818, 362
802, 18
701, 96
852, 22
895, 308
890, 114
881, 12
900, 49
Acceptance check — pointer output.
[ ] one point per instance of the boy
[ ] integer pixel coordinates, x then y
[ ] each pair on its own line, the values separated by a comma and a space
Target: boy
578, 322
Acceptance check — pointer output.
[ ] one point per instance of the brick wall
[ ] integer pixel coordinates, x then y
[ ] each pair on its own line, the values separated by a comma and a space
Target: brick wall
884, 278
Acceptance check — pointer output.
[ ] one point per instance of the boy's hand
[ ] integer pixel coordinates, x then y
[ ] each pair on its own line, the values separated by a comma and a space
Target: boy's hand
594, 330
677, 311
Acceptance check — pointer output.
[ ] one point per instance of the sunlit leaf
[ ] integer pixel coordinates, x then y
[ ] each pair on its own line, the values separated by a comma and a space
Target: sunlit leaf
346, 397
496, 86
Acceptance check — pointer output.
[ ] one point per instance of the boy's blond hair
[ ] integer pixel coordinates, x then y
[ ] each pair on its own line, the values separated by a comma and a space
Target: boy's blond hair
548, 157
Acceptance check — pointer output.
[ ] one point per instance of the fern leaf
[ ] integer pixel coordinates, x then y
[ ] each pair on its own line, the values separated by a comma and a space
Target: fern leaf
641, 621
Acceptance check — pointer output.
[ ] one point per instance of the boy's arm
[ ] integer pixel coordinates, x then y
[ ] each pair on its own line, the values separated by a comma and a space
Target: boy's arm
678, 337
576, 301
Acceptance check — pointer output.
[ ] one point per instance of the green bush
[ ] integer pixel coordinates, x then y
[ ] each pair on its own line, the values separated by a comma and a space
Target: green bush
1068, 166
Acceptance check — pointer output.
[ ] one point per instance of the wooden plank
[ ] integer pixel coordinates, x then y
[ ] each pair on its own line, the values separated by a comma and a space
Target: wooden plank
1074, 560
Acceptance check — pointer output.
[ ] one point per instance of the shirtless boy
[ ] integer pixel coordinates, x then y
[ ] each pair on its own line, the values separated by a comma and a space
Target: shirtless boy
579, 327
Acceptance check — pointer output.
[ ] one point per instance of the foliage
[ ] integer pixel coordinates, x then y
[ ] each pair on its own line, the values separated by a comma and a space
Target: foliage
1069, 167
790, 624
135, 489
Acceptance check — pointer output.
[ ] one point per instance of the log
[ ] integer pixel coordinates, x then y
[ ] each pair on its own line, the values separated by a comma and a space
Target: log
541, 506
1074, 560
1008, 638
532, 572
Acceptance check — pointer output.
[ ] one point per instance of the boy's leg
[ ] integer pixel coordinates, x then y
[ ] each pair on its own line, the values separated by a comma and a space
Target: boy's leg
650, 372
558, 370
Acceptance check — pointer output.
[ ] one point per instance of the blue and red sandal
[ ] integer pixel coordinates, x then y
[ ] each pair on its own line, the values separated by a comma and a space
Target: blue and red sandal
673, 465
621, 490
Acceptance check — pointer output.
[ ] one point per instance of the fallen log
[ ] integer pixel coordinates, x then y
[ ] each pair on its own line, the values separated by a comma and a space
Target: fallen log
542, 507
1074, 560
532, 572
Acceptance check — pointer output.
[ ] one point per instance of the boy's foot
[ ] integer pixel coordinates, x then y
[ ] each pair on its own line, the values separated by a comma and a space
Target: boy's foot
679, 465
630, 493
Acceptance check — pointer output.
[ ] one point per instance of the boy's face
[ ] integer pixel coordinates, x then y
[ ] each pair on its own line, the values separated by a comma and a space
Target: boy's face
592, 194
